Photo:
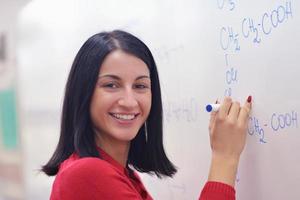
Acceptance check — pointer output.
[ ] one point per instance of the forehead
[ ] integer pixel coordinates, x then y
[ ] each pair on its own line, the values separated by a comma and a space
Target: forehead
120, 63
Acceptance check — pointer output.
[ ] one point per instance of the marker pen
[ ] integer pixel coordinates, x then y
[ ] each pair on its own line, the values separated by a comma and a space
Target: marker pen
212, 107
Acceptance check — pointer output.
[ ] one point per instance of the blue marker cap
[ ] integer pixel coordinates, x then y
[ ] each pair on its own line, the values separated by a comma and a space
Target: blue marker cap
209, 108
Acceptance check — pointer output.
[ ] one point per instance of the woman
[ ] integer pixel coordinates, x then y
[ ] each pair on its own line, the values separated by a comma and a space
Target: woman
112, 123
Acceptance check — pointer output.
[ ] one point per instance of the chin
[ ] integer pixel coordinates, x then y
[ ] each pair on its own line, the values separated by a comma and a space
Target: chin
125, 135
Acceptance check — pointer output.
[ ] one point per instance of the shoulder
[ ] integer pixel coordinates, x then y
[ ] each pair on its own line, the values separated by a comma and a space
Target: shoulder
86, 178
89, 171
88, 166
91, 178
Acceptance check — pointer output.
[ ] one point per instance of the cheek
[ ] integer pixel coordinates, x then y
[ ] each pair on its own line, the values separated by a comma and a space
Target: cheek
98, 107
94, 111
147, 103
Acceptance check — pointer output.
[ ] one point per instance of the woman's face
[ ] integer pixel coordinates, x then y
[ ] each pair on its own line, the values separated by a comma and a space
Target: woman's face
122, 97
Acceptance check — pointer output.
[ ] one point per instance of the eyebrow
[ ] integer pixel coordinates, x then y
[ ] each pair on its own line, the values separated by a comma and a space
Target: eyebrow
118, 78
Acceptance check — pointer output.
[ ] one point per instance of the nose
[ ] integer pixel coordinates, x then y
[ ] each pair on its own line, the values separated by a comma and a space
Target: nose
128, 99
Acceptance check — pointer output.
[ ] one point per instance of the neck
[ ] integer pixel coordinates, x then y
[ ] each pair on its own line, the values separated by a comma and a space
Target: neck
117, 150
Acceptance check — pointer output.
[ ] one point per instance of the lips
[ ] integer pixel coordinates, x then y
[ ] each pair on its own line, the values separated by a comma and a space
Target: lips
124, 117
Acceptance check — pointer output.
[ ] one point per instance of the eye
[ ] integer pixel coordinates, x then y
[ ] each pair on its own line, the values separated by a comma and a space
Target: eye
141, 86
111, 85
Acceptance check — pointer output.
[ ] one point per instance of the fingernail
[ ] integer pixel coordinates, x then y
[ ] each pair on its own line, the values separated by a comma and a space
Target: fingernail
249, 99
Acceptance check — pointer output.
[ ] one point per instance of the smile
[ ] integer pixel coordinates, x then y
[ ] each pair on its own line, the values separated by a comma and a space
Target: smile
124, 116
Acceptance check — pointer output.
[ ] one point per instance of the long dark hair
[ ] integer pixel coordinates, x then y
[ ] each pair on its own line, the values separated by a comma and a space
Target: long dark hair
77, 135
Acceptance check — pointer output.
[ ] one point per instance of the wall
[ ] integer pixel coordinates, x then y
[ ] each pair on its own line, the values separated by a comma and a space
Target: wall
204, 50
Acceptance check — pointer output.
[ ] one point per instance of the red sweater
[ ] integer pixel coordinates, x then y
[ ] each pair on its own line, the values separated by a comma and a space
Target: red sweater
94, 179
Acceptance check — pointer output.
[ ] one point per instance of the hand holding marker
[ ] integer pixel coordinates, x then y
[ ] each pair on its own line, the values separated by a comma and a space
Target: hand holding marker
227, 133
214, 107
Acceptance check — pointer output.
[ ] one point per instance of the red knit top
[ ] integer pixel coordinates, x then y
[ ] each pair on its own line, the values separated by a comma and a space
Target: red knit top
94, 179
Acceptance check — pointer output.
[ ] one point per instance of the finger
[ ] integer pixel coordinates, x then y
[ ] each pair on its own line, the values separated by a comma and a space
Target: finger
245, 112
234, 111
212, 118
225, 107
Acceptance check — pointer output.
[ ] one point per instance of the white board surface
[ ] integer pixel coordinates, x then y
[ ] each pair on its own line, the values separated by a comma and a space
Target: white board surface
204, 50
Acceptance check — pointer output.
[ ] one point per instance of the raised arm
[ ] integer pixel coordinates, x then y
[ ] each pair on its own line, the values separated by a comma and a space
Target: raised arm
227, 129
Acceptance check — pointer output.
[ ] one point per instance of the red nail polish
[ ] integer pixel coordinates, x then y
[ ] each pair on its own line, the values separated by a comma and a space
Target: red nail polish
249, 99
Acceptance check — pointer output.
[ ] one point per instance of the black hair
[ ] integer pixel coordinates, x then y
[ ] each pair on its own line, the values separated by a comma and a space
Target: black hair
146, 154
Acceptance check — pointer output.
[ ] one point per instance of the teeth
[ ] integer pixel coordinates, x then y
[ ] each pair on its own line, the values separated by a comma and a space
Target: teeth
124, 117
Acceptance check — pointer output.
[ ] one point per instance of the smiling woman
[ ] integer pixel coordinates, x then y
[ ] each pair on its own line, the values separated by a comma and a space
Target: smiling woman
121, 102
112, 124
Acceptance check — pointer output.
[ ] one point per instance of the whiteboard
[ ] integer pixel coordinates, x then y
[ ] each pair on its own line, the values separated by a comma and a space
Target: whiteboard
204, 50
